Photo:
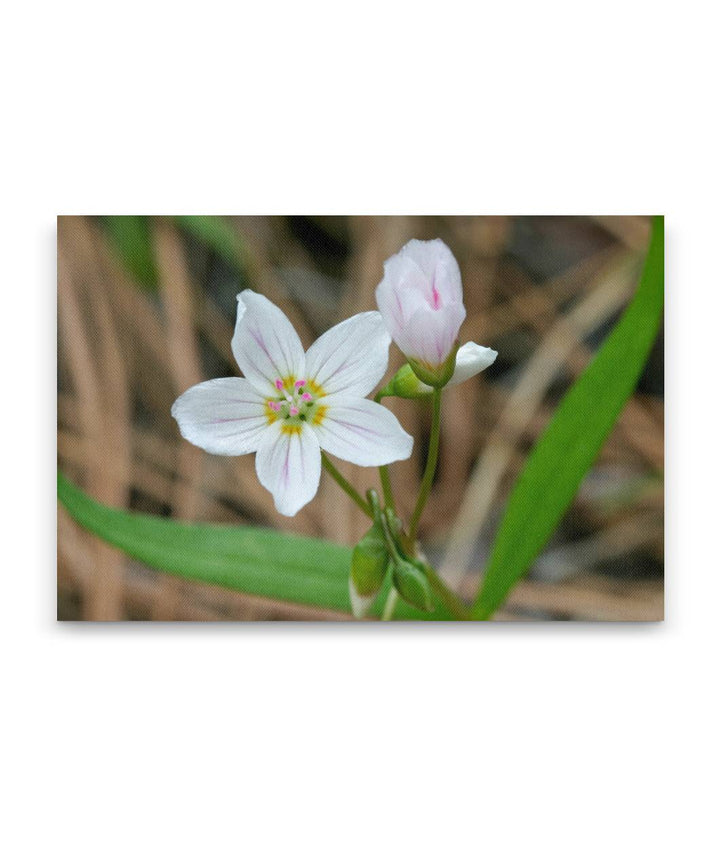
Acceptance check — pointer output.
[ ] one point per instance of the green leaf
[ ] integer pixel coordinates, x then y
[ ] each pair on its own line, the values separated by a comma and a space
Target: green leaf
258, 561
219, 235
574, 437
132, 241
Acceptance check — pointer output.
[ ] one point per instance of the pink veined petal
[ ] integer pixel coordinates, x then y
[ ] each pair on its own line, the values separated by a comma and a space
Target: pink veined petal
225, 416
439, 266
430, 336
265, 343
288, 465
352, 357
362, 432
401, 292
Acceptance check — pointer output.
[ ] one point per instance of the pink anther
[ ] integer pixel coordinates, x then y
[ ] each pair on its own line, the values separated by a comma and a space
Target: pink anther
299, 383
294, 411
306, 396
274, 405
278, 384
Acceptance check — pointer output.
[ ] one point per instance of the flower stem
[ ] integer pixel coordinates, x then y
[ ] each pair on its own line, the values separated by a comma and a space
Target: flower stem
387, 487
385, 474
345, 484
430, 466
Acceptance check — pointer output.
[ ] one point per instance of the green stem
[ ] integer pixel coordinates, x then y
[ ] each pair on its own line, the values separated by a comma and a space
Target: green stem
430, 466
345, 485
385, 474
387, 487
446, 595
389, 540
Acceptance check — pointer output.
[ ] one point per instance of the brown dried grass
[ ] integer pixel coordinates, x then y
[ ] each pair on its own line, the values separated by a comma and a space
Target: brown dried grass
122, 350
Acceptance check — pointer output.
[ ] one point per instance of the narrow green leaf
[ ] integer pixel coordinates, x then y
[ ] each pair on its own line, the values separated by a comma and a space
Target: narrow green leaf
574, 437
217, 234
130, 237
257, 561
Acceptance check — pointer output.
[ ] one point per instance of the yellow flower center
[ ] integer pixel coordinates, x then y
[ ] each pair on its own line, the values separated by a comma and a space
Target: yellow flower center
296, 404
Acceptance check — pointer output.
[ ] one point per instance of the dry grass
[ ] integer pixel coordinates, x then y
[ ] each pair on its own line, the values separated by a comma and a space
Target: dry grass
125, 354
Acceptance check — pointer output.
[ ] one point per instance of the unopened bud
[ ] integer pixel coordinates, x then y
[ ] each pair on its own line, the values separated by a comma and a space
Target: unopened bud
367, 570
470, 359
412, 585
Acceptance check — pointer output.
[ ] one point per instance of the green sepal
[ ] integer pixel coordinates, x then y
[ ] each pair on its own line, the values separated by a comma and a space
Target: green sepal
405, 384
412, 584
436, 376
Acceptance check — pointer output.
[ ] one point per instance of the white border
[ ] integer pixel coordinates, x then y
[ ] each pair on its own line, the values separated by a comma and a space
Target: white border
327, 740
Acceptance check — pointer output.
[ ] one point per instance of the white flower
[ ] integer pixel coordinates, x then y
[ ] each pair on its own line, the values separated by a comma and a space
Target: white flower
291, 404
420, 298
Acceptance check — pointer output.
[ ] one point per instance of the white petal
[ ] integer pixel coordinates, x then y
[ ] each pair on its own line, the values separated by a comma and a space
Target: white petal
351, 357
362, 432
225, 416
360, 604
288, 465
471, 359
400, 293
430, 335
265, 343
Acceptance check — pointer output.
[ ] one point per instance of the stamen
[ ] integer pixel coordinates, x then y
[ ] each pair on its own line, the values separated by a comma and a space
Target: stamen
294, 411
306, 396
278, 384
300, 383
274, 405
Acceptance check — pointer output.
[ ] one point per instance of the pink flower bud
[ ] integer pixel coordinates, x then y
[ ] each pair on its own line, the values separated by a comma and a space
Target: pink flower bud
420, 299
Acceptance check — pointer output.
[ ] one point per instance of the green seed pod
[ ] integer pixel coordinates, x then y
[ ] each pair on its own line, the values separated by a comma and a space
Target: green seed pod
412, 584
367, 569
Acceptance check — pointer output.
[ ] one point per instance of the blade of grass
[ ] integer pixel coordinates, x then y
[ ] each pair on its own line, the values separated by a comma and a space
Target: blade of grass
130, 238
219, 236
257, 561
574, 437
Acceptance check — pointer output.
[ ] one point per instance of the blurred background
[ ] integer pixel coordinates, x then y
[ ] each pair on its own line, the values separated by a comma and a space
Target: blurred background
146, 309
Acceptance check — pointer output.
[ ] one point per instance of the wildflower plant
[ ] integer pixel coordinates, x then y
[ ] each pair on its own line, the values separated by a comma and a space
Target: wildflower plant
298, 410
292, 408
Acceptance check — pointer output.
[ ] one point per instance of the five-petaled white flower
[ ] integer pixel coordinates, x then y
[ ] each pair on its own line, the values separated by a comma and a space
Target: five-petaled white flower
292, 404
421, 301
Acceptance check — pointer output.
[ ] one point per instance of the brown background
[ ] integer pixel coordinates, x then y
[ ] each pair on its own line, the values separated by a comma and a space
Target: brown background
543, 291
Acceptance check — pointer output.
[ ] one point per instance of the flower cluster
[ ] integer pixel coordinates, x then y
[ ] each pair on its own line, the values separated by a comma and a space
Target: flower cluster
291, 404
